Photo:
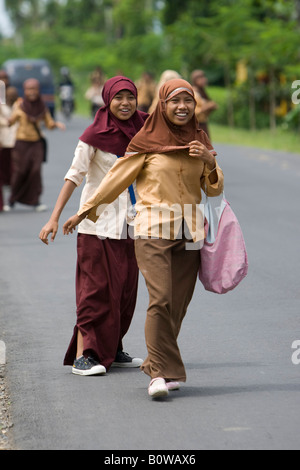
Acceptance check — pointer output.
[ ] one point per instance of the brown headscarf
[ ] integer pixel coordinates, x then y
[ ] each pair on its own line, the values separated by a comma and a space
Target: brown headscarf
35, 110
159, 135
201, 90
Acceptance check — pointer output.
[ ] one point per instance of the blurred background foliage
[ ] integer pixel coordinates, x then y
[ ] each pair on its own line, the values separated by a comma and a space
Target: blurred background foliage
249, 49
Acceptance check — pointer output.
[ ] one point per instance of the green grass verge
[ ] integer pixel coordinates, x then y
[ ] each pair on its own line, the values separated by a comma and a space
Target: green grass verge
282, 140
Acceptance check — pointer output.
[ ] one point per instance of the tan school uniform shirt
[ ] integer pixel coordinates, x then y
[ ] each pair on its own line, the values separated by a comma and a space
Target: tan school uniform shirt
26, 129
168, 193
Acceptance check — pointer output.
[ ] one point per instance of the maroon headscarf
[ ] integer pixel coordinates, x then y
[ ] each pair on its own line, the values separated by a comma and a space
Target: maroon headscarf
108, 133
35, 110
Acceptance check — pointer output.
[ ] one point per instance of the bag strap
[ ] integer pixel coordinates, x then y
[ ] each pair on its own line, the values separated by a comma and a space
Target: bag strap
131, 191
37, 129
212, 214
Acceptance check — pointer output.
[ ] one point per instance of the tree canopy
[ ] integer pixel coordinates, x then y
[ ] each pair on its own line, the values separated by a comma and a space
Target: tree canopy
132, 36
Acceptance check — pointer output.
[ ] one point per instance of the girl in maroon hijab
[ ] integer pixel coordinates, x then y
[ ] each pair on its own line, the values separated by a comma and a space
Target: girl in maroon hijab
107, 273
28, 154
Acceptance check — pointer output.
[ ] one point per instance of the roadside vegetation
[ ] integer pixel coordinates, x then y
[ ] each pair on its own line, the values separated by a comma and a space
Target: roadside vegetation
249, 50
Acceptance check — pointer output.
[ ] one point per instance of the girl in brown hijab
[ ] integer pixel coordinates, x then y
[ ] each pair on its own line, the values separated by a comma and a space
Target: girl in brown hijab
204, 105
171, 160
28, 154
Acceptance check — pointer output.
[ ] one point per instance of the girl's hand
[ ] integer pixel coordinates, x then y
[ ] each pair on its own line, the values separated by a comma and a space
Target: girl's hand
71, 223
197, 149
50, 227
60, 125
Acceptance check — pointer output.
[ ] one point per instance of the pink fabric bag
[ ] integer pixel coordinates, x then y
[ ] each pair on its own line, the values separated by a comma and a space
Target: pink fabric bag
224, 260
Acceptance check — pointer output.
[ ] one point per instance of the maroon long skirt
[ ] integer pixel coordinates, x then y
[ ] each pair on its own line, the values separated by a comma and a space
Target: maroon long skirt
5, 166
106, 291
1, 196
26, 181
5, 171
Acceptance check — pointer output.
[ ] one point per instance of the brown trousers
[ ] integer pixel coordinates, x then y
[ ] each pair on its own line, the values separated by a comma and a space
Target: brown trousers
170, 272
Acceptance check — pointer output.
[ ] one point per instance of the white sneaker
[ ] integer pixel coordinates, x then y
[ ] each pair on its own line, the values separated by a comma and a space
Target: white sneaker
172, 385
40, 208
158, 388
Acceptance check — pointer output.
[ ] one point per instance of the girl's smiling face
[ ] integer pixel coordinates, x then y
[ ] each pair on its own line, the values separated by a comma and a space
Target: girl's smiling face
32, 93
123, 105
180, 108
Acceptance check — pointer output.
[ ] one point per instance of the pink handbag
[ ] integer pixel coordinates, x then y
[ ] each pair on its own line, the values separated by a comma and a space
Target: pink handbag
224, 260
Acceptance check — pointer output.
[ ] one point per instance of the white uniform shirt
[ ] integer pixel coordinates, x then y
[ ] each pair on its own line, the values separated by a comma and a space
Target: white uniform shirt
93, 164
7, 133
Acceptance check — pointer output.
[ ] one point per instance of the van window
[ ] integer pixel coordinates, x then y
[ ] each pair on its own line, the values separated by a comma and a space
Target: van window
18, 73
19, 70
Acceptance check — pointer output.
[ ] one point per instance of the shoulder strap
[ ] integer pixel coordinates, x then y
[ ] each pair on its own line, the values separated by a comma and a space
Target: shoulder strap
37, 129
131, 191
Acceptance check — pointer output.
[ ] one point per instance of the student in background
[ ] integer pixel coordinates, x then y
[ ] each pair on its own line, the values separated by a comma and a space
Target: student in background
7, 141
28, 153
205, 106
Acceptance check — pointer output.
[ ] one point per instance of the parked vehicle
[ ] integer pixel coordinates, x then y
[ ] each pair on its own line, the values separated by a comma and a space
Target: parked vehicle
19, 70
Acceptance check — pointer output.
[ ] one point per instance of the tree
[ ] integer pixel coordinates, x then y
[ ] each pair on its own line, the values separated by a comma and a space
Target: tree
132, 36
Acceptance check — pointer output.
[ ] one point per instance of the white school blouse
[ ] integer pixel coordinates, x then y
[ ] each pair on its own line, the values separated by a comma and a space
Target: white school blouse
92, 164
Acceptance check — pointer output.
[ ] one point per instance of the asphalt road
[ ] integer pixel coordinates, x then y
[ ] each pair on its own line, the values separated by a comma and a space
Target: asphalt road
243, 386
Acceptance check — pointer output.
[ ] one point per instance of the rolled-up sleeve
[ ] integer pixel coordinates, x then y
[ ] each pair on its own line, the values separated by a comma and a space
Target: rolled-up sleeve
120, 177
83, 155
216, 188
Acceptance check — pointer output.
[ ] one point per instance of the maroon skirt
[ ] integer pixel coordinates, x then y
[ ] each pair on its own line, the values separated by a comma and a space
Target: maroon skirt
5, 171
1, 197
5, 166
26, 181
106, 291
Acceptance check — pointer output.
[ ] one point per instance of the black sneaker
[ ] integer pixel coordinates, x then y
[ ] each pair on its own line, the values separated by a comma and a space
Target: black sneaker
124, 360
87, 366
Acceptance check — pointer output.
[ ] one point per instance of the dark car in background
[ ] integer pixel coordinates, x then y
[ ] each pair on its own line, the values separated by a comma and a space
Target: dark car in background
19, 70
